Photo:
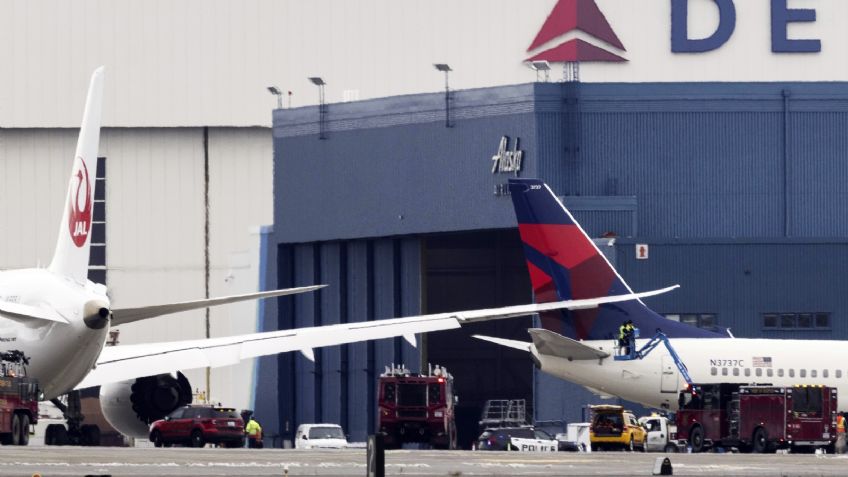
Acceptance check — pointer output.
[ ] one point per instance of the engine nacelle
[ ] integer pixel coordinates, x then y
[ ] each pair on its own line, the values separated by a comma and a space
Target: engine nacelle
131, 406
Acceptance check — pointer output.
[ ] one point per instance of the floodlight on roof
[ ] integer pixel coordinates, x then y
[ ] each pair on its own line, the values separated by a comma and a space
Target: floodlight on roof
541, 68
540, 65
317, 81
279, 94
442, 67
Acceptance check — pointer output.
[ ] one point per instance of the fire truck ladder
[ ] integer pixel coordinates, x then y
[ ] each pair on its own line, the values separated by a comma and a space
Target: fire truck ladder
658, 338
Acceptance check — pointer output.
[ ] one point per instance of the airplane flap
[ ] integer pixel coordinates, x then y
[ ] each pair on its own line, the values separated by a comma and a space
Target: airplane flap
550, 343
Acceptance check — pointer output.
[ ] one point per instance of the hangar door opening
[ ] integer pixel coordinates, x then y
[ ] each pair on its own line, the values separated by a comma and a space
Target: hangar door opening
478, 270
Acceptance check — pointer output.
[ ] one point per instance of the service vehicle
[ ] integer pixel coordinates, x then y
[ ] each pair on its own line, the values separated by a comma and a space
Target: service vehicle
196, 425
417, 408
613, 427
757, 418
661, 432
522, 439
19, 396
320, 436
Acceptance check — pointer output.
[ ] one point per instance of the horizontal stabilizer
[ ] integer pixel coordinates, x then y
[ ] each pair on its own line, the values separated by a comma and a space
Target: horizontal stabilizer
129, 315
16, 310
552, 344
519, 345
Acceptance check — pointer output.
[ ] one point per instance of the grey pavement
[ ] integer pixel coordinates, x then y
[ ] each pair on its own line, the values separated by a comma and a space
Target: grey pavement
79, 461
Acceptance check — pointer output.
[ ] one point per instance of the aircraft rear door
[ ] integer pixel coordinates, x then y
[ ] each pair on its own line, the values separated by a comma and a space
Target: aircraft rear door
668, 379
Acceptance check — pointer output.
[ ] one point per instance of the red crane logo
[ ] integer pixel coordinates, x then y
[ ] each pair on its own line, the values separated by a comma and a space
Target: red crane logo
79, 207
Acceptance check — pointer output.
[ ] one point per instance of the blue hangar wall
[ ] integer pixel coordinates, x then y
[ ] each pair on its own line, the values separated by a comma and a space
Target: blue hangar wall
736, 188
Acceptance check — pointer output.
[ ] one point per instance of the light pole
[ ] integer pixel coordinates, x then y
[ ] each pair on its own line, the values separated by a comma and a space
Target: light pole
279, 94
322, 106
446, 70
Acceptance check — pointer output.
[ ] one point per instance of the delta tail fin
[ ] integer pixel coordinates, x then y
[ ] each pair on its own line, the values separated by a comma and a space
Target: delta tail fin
74, 241
564, 264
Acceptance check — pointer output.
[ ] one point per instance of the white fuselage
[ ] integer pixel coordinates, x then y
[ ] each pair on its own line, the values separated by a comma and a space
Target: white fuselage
655, 380
61, 355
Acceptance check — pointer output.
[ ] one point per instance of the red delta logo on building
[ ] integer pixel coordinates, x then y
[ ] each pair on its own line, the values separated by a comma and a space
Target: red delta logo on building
571, 16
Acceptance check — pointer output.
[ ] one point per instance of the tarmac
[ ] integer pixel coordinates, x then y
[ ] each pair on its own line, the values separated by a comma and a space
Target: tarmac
81, 461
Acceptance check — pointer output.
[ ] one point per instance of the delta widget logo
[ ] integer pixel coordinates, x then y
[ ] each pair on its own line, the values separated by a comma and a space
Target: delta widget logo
79, 205
566, 17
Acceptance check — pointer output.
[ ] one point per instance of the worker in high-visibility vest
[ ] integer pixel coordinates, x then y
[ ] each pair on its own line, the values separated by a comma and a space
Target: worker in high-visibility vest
840, 433
254, 434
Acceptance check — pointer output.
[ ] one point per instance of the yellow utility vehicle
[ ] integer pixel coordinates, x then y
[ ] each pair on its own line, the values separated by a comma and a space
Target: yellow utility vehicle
613, 427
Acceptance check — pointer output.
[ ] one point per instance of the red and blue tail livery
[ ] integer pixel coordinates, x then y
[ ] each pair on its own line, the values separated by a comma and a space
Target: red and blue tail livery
564, 264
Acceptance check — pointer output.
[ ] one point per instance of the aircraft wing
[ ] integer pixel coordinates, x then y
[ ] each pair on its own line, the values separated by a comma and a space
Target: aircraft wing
122, 316
17, 310
121, 363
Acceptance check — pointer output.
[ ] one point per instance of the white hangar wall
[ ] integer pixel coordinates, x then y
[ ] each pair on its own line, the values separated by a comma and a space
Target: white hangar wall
154, 223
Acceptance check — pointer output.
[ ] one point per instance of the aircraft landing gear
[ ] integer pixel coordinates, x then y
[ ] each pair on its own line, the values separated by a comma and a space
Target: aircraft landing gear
76, 433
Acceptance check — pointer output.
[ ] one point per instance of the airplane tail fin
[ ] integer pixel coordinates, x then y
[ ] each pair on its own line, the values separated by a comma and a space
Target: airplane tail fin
564, 264
72, 247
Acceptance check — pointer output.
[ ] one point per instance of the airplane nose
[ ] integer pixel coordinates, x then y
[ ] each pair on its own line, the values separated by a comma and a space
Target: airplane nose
96, 315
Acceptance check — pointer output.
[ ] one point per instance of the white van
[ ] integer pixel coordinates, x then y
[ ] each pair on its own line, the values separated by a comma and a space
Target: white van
320, 436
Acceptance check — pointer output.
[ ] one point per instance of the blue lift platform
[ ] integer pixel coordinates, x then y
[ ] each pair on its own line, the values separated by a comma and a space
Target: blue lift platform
658, 338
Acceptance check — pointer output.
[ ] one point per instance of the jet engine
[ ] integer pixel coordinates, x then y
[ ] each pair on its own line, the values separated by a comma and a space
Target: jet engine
131, 406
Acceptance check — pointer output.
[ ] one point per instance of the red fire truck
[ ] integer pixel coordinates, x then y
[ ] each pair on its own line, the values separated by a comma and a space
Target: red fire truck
756, 418
19, 397
416, 408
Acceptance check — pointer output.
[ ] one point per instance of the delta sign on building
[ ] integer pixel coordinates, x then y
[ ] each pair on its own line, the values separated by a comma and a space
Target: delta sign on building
696, 40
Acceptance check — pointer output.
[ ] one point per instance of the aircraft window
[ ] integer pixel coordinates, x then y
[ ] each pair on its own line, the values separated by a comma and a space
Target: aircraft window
724, 371
714, 371
780, 373
736, 371
825, 373
791, 373
838, 373
770, 372
759, 372
802, 373
747, 371
813, 373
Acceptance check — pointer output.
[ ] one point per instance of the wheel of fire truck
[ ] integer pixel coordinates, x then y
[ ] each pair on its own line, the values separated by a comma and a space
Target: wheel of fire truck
24, 439
56, 435
759, 442
16, 429
90, 435
696, 439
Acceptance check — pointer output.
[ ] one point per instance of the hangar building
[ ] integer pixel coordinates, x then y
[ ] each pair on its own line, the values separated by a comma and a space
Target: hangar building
734, 188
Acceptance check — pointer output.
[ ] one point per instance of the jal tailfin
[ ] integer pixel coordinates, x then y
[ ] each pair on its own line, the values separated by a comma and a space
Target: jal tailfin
564, 264
74, 242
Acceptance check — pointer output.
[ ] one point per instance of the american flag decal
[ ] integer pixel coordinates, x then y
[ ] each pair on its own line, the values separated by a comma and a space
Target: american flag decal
762, 361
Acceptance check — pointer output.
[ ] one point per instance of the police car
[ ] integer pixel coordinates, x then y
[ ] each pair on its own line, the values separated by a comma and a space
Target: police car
522, 439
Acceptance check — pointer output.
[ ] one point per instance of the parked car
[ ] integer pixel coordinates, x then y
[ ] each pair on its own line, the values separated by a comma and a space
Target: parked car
325, 436
195, 425
523, 439
615, 427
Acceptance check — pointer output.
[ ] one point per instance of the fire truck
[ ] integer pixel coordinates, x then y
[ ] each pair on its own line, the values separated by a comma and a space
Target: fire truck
756, 418
416, 408
19, 396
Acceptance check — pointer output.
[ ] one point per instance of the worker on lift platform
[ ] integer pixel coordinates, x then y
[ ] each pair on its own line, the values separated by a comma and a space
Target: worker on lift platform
627, 339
